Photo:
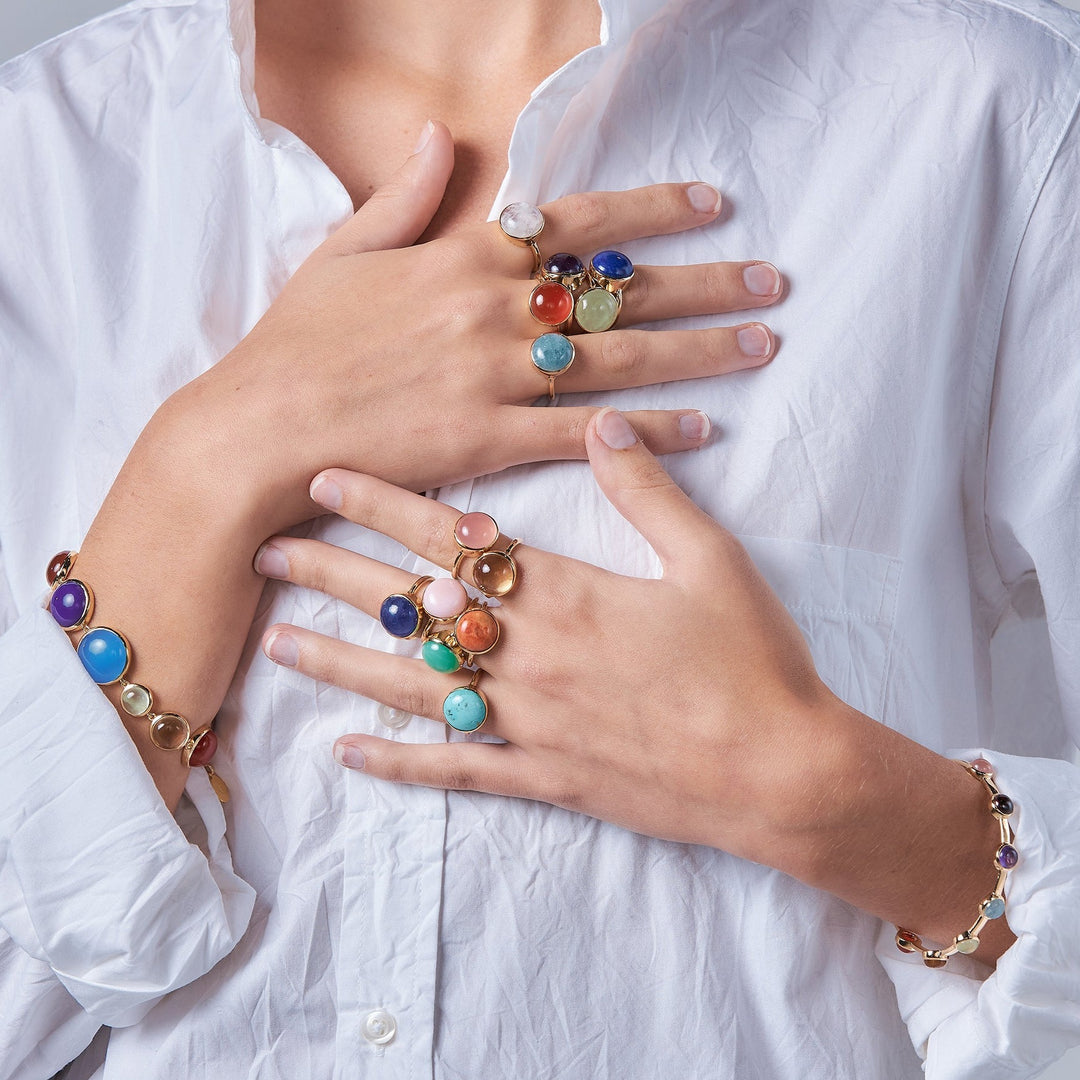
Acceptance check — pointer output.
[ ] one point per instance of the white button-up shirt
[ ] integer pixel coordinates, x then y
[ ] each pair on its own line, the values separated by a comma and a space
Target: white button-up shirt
906, 474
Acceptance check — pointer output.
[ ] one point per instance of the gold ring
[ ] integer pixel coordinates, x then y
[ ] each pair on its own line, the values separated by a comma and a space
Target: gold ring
523, 223
552, 354
402, 614
566, 269
494, 572
466, 708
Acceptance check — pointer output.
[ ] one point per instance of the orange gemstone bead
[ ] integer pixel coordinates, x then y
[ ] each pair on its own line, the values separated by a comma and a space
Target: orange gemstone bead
551, 303
477, 630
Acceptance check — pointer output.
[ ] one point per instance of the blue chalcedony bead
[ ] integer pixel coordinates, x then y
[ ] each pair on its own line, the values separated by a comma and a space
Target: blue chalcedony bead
399, 615
553, 353
993, 908
464, 709
104, 654
612, 264
69, 603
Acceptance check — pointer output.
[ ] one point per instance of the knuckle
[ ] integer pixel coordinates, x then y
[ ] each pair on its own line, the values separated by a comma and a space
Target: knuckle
715, 283
454, 777
587, 213
624, 354
414, 697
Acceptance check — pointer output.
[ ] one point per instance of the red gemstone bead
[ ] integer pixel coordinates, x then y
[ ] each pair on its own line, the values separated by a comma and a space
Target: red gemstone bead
55, 564
551, 303
204, 750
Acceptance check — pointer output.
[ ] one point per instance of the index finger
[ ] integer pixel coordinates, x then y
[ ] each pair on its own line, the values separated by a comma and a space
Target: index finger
593, 220
424, 526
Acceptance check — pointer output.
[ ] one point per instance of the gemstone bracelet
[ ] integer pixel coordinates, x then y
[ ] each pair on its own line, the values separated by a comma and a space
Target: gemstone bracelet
106, 655
993, 907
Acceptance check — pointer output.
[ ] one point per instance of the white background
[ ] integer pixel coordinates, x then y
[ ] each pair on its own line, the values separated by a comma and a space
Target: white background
23, 23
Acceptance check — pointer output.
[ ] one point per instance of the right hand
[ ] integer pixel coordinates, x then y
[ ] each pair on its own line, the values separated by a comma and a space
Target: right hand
411, 363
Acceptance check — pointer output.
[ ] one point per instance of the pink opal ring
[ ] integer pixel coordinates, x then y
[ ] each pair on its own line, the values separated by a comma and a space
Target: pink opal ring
494, 572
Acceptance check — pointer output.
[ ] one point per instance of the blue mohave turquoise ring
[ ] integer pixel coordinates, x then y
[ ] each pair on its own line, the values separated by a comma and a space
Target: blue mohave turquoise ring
402, 614
611, 270
466, 708
552, 354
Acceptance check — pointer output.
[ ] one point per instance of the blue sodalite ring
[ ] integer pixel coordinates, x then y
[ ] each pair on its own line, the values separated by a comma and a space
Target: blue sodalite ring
402, 614
552, 354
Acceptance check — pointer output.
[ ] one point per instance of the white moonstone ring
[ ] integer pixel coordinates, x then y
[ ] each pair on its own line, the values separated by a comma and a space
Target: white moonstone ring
523, 223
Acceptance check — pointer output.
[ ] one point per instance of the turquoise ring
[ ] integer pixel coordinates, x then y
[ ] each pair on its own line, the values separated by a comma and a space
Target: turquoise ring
465, 708
552, 354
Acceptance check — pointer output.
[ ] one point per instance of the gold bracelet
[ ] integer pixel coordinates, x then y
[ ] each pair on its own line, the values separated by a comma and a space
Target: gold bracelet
106, 655
993, 907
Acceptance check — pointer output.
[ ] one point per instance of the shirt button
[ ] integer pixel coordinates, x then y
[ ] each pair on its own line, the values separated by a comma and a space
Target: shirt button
379, 1027
393, 718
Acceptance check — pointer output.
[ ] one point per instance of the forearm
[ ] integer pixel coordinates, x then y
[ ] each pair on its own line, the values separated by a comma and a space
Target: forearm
169, 560
889, 826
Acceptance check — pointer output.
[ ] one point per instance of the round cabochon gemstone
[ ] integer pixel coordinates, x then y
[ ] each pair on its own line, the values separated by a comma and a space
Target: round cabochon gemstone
464, 709
967, 945
1007, 856
564, 264
104, 654
169, 731
596, 310
521, 220
205, 749
1002, 805
980, 764
439, 657
399, 615
993, 908
551, 303
136, 699
56, 564
477, 630
476, 531
552, 353
613, 264
70, 603
494, 573
445, 598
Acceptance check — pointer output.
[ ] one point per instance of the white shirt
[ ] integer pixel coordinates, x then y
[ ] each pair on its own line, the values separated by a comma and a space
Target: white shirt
906, 473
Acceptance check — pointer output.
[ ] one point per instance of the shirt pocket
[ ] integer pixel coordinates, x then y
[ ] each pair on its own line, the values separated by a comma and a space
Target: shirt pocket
844, 602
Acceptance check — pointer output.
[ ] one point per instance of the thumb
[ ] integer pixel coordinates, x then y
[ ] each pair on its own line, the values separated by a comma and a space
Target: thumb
402, 208
637, 485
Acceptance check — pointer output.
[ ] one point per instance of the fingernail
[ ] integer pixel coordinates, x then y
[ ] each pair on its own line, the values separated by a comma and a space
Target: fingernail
762, 279
326, 493
271, 562
282, 649
704, 199
615, 430
352, 757
754, 340
425, 136
694, 426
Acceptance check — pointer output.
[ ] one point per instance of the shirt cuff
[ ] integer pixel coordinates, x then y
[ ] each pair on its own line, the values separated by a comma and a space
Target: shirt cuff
96, 877
967, 1021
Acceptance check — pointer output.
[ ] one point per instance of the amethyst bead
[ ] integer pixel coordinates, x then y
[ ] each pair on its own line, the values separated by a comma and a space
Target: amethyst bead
70, 603
1007, 856
564, 263
1002, 805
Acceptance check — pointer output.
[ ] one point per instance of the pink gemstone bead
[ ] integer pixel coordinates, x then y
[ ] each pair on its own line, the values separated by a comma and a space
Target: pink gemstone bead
983, 765
445, 598
476, 531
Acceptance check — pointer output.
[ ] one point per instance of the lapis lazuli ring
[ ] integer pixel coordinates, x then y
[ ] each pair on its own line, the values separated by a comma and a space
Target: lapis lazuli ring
523, 223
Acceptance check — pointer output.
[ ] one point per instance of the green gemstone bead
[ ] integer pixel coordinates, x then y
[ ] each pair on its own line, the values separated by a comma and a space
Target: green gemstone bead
967, 944
439, 657
136, 699
596, 310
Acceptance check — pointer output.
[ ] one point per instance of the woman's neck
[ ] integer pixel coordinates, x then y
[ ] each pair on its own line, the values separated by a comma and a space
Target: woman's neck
357, 80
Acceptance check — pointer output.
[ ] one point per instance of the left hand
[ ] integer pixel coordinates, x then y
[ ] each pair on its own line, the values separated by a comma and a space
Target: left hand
665, 706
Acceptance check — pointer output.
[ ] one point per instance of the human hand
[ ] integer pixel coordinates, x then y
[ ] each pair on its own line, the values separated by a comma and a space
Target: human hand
666, 706
411, 363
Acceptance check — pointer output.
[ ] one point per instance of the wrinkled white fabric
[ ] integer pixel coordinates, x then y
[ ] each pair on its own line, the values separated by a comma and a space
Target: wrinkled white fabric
906, 473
